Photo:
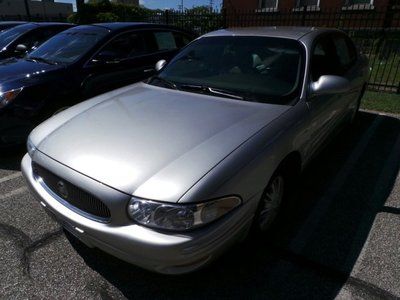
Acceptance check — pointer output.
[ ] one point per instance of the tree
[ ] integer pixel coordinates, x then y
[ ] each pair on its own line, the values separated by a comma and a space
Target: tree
79, 4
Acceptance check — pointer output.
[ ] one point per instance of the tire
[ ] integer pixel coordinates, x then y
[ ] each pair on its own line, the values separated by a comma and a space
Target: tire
356, 111
270, 204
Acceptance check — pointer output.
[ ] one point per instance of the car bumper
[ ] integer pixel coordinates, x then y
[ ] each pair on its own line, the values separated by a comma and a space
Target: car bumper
168, 253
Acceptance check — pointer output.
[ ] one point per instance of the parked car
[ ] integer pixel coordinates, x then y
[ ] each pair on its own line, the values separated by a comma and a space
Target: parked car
21, 39
76, 64
9, 24
167, 174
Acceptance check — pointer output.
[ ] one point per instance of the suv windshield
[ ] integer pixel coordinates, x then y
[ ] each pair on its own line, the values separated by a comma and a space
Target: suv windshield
68, 46
262, 69
9, 35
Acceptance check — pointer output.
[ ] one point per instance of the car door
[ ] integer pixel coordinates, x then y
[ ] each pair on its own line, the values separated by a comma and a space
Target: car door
325, 111
120, 62
347, 58
127, 58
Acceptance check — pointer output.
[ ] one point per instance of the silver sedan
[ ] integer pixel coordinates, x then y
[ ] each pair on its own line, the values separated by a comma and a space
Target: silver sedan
168, 173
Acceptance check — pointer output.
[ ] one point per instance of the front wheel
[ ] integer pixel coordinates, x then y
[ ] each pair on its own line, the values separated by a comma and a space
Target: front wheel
270, 203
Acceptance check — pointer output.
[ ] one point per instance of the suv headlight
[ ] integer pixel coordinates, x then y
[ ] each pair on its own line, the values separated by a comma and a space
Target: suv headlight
179, 217
9, 96
30, 147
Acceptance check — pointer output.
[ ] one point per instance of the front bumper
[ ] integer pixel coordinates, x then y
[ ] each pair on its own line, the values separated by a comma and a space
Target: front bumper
169, 253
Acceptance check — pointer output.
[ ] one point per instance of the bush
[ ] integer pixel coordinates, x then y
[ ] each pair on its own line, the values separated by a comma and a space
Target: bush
106, 17
106, 11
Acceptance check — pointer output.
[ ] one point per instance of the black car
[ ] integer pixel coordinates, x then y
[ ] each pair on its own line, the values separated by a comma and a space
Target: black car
19, 40
9, 24
76, 64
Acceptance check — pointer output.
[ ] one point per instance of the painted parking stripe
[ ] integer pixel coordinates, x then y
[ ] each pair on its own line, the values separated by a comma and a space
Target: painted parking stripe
323, 204
10, 177
14, 192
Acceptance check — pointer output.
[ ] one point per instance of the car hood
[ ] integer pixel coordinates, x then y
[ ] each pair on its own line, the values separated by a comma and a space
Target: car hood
24, 71
152, 142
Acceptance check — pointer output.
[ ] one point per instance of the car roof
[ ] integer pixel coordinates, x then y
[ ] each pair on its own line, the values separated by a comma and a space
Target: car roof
296, 32
117, 26
44, 24
12, 22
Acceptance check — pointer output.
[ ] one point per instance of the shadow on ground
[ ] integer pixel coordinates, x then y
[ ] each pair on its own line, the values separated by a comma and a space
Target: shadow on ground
297, 260
10, 159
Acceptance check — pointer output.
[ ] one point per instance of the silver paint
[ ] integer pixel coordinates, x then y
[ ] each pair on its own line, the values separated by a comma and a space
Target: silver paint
175, 146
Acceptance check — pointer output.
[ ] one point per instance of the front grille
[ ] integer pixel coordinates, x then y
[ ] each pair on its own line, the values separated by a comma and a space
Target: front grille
70, 193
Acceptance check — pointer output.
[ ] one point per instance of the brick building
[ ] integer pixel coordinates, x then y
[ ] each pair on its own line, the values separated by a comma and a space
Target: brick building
298, 5
15, 9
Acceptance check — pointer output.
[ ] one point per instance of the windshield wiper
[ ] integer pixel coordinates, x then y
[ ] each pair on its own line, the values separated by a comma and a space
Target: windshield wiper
47, 61
163, 80
212, 91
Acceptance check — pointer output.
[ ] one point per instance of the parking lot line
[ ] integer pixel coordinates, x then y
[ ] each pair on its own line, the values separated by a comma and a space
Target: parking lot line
323, 204
14, 192
10, 177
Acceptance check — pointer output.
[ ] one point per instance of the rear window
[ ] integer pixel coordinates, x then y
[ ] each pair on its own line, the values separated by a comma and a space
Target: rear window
165, 40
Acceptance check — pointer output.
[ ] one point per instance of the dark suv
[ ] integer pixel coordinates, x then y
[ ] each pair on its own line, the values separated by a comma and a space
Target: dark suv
77, 64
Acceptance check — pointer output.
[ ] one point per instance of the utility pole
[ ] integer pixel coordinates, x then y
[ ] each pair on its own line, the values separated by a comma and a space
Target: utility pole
181, 7
211, 5
28, 12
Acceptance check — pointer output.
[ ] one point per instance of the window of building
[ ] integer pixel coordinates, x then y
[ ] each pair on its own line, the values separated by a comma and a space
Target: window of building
358, 4
308, 4
268, 4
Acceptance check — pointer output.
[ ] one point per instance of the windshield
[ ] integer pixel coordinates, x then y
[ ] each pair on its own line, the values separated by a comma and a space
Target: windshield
68, 46
9, 35
261, 69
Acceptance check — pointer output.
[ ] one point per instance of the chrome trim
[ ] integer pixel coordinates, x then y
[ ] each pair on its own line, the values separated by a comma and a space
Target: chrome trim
68, 205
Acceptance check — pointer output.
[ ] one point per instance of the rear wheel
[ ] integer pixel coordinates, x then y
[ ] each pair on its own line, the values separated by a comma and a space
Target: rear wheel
355, 112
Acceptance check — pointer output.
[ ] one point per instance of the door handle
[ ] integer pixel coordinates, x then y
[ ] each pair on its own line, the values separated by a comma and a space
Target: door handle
148, 70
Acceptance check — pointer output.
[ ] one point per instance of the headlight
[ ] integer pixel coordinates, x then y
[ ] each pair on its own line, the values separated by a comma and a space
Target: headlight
179, 217
8, 96
30, 147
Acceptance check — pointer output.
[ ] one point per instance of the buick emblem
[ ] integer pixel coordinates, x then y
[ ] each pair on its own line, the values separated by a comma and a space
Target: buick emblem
62, 189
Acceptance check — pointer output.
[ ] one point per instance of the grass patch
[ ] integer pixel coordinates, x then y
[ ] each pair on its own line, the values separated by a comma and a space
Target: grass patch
385, 102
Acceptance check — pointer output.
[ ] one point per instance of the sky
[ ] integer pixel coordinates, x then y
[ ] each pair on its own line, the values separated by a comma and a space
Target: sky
171, 4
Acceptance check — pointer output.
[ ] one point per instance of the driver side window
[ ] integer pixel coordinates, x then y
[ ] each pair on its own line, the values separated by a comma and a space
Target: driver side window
122, 47
324, 60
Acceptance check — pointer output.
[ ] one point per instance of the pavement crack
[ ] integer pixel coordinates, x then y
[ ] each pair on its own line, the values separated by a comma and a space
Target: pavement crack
21, 240
37, 244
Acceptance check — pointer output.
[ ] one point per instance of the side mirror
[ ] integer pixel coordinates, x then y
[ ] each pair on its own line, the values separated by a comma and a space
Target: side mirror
330, 84
21, 48
160, 65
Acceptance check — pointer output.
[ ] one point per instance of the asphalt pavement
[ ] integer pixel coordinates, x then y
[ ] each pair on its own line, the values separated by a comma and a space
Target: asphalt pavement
339, 239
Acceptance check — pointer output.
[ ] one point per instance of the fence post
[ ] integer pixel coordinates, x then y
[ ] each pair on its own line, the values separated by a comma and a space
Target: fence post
27, 10
303, 16
167, 16
224, 25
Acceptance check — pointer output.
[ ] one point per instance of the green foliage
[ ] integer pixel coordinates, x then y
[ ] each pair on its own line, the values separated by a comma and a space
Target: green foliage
106, 11
107, 17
